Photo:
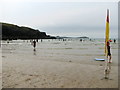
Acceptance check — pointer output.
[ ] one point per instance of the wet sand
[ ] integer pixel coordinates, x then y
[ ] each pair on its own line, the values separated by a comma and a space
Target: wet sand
0, 68
57, 64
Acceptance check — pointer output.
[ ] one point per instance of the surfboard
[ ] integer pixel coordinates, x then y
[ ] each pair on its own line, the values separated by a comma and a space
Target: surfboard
98, 59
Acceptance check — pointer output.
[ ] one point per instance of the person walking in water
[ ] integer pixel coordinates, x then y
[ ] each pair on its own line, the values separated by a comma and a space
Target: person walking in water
34, 44
109, 53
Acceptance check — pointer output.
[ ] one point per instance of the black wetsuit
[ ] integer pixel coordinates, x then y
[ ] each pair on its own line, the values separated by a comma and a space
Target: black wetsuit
108, 48
34, 44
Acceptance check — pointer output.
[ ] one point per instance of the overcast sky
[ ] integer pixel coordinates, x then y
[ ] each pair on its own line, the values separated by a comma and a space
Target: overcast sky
62, 18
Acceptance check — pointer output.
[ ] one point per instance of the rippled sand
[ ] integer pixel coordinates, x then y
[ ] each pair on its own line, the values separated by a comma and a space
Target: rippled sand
57, 64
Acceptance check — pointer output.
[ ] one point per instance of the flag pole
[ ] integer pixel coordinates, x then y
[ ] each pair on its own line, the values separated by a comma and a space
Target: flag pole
107, 32
106, 40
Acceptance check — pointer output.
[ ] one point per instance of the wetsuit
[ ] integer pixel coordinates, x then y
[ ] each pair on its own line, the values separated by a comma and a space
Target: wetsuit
108, 48
34, 43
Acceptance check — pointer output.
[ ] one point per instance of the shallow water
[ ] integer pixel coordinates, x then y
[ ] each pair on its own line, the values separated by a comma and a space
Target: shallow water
58, 49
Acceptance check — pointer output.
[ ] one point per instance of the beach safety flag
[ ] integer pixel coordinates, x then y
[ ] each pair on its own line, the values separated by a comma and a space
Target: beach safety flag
107, 32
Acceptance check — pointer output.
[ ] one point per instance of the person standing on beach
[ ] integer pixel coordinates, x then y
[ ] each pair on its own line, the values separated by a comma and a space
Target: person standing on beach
109, 54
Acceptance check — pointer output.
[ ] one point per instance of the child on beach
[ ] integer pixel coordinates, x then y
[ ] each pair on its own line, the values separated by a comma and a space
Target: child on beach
108, 54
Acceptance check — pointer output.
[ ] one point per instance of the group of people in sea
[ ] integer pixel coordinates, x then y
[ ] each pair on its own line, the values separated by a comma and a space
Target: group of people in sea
33, 43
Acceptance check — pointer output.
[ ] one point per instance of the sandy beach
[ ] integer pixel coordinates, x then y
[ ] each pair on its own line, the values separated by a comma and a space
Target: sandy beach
57, 64
0, 68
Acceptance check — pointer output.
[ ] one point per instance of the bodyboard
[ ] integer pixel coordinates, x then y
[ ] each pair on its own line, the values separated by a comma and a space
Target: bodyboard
98, 59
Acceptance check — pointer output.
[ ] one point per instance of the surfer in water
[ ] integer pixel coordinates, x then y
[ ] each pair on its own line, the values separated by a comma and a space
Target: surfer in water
109, 54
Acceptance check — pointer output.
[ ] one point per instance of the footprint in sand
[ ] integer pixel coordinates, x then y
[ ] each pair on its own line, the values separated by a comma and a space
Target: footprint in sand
35, 86
28, 79
34, 75
8, 75
3, 56
101, 65
42, 84
62, 86
44, 79
30, 75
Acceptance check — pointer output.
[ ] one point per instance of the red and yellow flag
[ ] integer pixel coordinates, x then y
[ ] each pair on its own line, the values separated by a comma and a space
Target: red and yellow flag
107, 32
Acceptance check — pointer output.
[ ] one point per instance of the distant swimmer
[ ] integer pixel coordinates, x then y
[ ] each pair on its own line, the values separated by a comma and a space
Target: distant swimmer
37, 40
41, 40
114, 41
31, 41
34, 44
81, 40
7, 41
109, 54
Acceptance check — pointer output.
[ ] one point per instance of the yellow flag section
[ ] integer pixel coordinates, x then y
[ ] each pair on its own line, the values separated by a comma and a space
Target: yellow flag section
107, 32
